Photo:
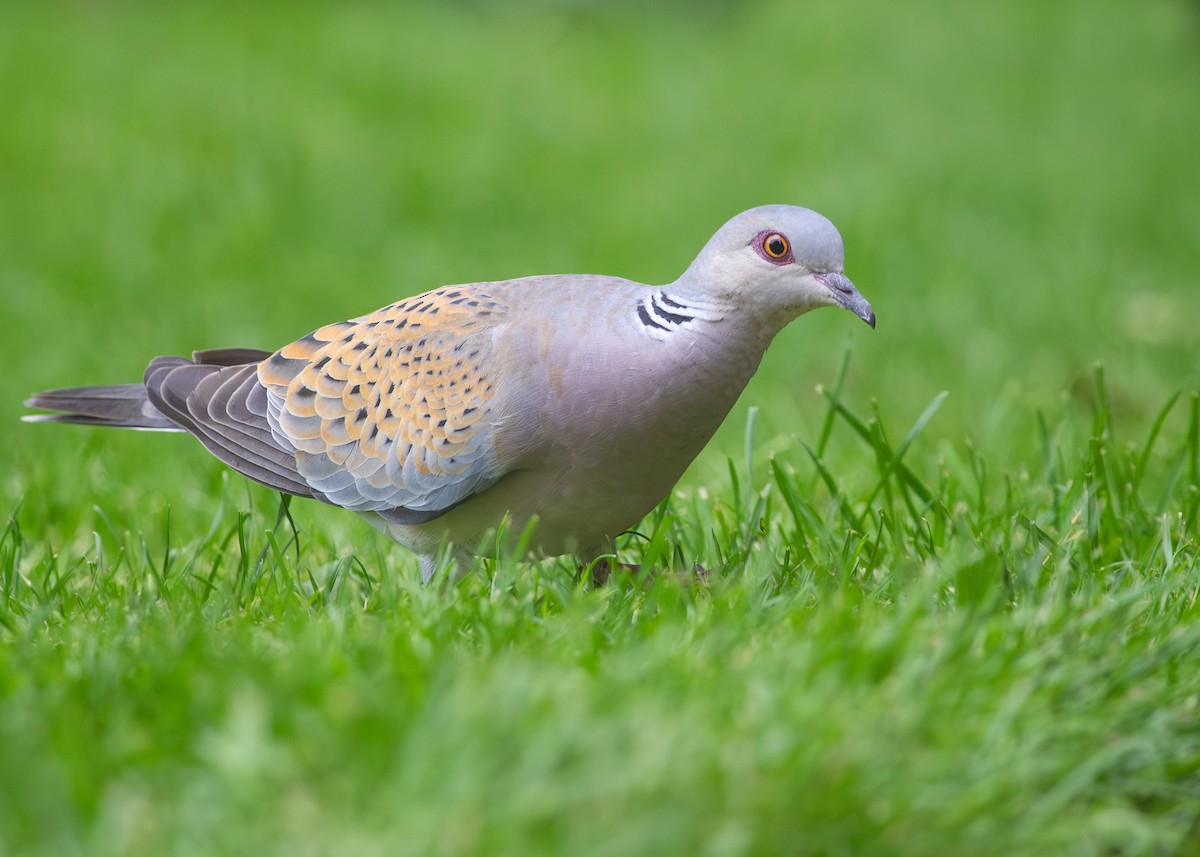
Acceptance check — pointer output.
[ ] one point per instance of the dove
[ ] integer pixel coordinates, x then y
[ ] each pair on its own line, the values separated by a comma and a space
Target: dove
575, 400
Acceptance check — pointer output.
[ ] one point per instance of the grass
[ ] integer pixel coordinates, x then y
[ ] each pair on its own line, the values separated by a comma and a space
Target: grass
926, 667
950, 606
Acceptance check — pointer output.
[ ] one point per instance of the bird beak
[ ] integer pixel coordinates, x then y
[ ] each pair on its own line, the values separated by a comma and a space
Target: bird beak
847, 296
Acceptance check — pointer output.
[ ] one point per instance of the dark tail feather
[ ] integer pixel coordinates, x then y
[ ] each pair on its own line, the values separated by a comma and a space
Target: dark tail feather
215, 396
127, 405
229, 356
118, 406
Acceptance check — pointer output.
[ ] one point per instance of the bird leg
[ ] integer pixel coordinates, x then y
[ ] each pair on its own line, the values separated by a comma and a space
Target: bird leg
603, 568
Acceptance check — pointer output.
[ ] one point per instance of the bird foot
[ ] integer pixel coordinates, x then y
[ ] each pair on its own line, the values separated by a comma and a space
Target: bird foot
603, 568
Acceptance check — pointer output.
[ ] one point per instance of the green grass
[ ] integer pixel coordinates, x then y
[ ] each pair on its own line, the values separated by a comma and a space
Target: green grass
950, 606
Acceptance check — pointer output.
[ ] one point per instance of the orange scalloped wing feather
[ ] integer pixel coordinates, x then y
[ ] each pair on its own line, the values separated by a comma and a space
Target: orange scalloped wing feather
393, 410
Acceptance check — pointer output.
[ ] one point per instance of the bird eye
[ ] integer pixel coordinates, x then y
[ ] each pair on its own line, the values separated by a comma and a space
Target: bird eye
775, 245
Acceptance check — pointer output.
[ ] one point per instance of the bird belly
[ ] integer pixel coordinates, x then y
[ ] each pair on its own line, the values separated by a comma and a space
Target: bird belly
573, 512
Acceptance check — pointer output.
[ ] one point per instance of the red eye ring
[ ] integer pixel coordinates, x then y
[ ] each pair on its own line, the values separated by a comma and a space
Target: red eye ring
775, 245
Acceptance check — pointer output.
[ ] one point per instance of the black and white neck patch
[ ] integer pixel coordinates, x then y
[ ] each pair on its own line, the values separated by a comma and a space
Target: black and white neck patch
662, 314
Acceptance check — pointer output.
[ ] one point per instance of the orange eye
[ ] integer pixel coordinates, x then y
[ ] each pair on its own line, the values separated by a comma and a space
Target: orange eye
775, 246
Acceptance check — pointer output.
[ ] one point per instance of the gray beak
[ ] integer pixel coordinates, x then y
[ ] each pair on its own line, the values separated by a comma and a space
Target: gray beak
845, 294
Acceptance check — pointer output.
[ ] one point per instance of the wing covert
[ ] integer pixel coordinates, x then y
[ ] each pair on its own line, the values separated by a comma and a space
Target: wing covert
393, 410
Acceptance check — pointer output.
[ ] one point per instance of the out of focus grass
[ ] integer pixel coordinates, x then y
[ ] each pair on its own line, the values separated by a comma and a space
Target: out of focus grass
974, 638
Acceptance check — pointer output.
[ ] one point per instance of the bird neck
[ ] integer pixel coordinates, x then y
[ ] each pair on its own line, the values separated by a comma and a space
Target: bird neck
743, 324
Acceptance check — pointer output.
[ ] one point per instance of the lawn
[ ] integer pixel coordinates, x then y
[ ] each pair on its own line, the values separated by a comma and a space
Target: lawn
953, 563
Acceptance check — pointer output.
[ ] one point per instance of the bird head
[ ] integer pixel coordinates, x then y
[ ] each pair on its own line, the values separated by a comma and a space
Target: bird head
782, 259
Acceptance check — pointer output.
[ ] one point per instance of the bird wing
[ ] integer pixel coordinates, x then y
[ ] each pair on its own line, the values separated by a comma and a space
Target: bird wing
393, 412
218, 399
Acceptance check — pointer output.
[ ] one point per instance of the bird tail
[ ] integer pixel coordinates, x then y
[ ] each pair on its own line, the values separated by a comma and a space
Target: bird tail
117, 406
126, 405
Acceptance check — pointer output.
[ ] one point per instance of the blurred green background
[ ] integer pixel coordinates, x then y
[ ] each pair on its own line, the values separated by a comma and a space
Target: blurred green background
1018, 186
1017, 183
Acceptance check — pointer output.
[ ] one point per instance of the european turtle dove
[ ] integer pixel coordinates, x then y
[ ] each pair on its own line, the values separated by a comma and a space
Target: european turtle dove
578, 399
